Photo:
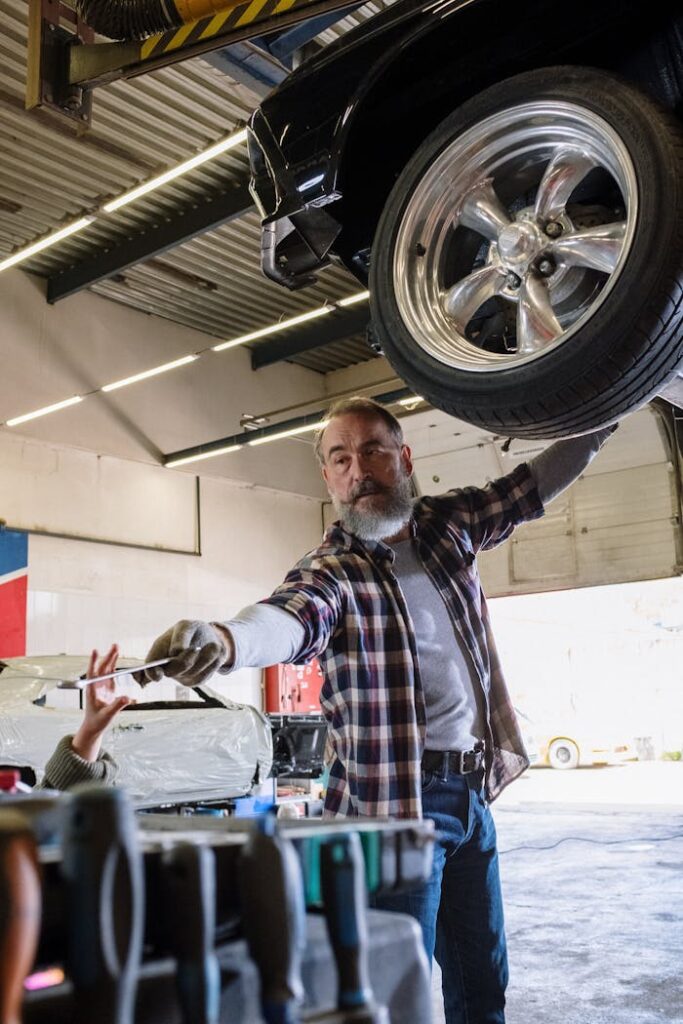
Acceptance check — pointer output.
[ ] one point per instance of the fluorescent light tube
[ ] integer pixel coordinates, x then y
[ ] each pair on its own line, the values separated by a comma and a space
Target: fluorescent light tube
45, 243
148, 373
44, 411
236, 139
204, 455
351, 300
289, 433
282, 325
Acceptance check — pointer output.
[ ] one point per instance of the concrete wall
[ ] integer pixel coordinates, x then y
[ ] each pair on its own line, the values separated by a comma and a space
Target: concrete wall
51, 353
84, 594
94, 471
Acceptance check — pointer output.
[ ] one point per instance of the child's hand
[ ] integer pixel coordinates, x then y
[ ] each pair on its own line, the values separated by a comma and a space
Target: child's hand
101, 706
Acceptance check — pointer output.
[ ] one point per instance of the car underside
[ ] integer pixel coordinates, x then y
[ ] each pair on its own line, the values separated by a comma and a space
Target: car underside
511, 189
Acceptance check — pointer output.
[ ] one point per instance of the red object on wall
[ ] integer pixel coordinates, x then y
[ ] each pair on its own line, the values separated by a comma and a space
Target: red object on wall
13, 590
294, 688
13, 617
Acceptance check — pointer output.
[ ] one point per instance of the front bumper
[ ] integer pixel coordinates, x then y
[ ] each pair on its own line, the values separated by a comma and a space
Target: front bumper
292, 248
297, 233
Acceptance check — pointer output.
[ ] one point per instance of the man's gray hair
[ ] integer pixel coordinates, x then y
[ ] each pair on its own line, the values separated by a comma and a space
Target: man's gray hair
359, 406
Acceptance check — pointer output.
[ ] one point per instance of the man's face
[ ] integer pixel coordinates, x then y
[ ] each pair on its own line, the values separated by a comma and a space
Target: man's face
367, 474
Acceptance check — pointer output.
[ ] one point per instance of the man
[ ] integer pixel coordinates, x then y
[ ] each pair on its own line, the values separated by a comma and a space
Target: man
418, 715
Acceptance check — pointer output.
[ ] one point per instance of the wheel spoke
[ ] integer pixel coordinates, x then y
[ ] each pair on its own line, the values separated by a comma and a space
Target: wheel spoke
537, 325
463, 300
599, 248
567, 168
482, 211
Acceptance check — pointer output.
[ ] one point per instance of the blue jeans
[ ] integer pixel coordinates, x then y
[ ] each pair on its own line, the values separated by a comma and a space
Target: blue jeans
460, 908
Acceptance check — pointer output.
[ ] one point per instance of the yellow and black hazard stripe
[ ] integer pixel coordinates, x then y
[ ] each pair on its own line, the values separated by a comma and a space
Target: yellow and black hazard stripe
221, 23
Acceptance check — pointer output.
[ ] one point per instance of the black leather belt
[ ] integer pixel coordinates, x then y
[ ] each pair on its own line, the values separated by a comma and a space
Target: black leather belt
463, 762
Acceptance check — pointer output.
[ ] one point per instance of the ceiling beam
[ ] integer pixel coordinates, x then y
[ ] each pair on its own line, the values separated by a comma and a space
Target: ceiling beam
246, 437
207, 215
336, 326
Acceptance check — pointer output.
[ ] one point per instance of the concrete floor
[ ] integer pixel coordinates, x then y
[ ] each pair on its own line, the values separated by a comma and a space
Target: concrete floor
595, 918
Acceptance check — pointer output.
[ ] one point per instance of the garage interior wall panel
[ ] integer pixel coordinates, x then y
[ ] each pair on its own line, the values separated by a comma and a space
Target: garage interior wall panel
84, 594
610, 527
445, 470
79, 494
548, 550
50, 353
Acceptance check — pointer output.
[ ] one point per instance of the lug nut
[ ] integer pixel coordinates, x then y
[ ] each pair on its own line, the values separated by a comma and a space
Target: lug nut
420, 249
545, 267
512, 281
553, 229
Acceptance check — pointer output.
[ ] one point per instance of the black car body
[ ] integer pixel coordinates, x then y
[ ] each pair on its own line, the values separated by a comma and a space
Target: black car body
327, 145
507, 179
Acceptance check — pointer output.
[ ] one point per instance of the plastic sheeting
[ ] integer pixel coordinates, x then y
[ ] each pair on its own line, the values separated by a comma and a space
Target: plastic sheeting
167, 752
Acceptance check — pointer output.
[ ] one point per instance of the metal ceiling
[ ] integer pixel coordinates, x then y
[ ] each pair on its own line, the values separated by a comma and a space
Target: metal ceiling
50, 175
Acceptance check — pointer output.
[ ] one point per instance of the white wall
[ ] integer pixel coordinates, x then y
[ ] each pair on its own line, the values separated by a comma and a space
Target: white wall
51, 353
84, 595
79, 494
616, 523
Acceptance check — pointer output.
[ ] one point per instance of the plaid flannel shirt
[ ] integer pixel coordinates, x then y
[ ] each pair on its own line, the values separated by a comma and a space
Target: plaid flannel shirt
356, 621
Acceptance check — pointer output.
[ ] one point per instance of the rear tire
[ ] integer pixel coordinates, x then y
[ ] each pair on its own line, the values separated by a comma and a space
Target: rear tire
563, 754
625, 340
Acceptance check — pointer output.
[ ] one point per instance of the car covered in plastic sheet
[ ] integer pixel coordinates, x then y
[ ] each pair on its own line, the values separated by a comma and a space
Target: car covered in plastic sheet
175, 745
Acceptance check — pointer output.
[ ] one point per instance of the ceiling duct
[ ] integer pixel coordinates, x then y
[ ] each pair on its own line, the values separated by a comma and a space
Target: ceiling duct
137, 19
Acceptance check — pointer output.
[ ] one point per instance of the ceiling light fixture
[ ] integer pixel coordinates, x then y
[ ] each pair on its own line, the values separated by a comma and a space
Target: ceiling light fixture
351, 300
149, 373
289, 433
205, 455
46, 242
44, 411
236, 139
249, 422
284, 325
281, 325
288, 428
184, 360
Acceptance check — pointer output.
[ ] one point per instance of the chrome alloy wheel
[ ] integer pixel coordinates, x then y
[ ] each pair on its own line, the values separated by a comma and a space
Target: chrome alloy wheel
514, 236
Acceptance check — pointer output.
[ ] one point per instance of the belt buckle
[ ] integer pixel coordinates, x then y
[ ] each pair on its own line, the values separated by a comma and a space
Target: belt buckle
467, 761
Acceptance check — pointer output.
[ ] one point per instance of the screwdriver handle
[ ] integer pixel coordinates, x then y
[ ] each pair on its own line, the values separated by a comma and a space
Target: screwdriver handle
189, 887
274, 915
342, 877
102, 865
20, 908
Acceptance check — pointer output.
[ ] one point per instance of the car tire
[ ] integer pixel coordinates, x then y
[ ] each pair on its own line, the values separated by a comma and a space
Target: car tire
575, 328
563, 754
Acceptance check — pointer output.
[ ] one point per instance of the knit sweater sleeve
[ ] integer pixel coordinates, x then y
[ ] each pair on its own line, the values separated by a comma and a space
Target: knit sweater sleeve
563, 462
66, 768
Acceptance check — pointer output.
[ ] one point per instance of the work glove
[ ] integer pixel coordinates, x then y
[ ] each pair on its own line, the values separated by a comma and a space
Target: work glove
196, 650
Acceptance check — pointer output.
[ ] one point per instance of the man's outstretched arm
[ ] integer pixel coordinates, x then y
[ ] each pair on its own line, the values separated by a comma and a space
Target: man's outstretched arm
489, 514
560, 464
294, 624
258, 636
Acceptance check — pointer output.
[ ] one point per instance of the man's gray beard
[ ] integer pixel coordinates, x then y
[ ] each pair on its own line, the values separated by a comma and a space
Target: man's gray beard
371, 525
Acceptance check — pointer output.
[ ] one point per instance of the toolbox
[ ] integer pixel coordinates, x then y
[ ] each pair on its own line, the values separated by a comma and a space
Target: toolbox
143, 915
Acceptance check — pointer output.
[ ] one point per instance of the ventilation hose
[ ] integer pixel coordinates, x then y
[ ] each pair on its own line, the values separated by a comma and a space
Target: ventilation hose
137, 19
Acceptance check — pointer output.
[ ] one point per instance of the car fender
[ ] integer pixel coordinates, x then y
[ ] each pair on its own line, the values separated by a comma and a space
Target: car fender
384, 53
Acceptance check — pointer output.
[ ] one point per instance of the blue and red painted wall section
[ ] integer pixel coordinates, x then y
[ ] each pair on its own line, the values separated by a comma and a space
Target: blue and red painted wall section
13, 590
